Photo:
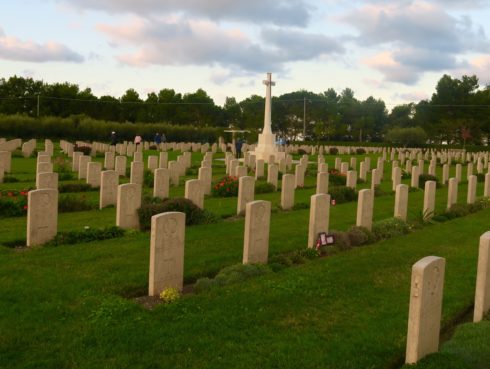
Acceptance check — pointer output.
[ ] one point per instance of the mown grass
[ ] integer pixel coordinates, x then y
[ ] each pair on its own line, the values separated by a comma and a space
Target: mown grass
70, 307
468, 349
73, 307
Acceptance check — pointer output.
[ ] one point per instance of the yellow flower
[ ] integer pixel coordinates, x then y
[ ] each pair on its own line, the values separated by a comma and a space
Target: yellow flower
169, 295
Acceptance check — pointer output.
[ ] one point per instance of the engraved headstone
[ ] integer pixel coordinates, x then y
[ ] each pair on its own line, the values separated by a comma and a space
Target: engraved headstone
109, 180
319, 217
42, 216
166, 252
256, 238
424, 317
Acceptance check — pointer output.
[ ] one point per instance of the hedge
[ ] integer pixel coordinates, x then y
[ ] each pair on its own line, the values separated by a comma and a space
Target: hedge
83, 128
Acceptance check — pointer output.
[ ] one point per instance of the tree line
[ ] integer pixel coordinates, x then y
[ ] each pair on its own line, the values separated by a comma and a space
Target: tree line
458, 111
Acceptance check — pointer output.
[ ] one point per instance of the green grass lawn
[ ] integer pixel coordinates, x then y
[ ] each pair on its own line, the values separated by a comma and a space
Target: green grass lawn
74, 307
71, 306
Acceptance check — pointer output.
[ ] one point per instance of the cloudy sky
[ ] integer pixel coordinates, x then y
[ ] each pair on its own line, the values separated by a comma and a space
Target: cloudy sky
394, 50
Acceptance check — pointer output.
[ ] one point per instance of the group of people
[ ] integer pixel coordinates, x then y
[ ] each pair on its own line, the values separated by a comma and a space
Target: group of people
158, 139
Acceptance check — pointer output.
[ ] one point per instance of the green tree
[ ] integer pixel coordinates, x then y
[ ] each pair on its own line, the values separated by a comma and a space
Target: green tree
130, 105
411, 136
232, 113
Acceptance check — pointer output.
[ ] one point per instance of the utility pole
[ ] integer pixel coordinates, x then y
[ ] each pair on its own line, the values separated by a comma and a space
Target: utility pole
38, 104
304, 118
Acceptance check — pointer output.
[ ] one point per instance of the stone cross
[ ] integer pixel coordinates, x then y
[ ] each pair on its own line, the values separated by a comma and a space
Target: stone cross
267, 116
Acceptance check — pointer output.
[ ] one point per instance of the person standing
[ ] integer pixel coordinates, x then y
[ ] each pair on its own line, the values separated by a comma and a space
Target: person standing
113, 138
158, 138
238, 147
137, 140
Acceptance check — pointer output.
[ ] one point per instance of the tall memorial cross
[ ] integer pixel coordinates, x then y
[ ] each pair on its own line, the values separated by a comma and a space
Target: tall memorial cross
267, 116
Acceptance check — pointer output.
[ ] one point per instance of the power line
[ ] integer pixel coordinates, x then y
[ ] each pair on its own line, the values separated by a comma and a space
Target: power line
299, 100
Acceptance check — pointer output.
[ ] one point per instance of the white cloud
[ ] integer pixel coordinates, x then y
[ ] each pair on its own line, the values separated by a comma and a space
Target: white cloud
418, 36
279, 12
12, 48
175, 41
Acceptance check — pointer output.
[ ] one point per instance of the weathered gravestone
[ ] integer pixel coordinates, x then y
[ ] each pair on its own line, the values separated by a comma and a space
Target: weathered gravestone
128, 203
194, 192
322, 182
452, 192
482, 291
471, 195
42, 216
365, 209
401, 202
93, 174
246, 193
205, 175
424, 317
163, 162
287, 191
47, 180
166, 252
109, 160
137, 172
121, 165
429, 199
319, 217
82, 166
109, 180
161, 183
256, 238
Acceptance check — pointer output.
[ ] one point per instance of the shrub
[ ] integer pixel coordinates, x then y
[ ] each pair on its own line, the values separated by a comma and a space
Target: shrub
479, 204
359, 236
480, 177
360, 151
406, 175
333, 151
17, 154
86, 150
301, 206
87, 235
10, 179
75, 187
264, 187
225, 187
342, 240
457, 210
388, 228
193, 214
230, 275
342, 194
302, 152
280, 259
64, 169
309, 253
148, 178
13, 203
153, 147
71, 203
406, 136
336, 178
427, 177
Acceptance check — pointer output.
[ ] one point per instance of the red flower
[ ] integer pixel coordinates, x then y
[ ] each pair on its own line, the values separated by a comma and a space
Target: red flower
10, 194
25, 207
